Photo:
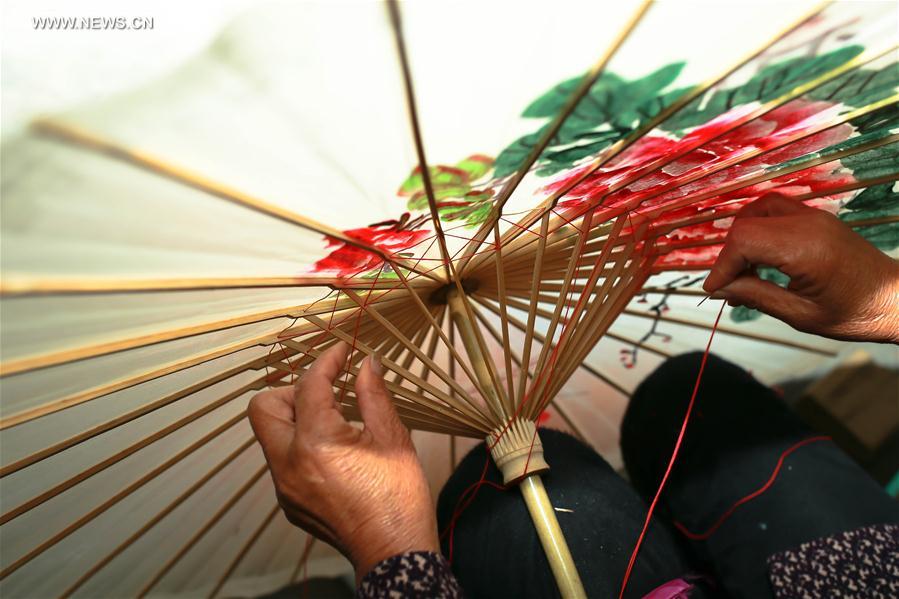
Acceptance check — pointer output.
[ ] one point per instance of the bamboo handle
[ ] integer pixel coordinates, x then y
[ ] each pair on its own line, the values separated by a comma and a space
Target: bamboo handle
551, 537
519, 454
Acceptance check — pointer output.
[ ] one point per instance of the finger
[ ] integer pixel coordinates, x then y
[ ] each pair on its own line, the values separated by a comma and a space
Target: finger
314, 404
271, 417
772, 204
769, 298
750, 242
376, 405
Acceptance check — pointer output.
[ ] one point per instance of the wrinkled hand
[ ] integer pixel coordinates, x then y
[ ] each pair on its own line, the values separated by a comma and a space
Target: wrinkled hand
362, 491
840, 286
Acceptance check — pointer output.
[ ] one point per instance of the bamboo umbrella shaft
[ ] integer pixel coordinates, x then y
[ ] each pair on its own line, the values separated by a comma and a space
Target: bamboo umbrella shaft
551, 537
542, 513
466, 332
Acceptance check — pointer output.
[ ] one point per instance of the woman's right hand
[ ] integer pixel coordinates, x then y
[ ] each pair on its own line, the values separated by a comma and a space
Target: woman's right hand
840, 286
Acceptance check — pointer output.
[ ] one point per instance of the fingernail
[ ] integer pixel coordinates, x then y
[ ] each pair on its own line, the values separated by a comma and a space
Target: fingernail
375, 361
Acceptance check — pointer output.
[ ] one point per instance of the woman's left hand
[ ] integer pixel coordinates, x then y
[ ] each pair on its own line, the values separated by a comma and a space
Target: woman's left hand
361, 490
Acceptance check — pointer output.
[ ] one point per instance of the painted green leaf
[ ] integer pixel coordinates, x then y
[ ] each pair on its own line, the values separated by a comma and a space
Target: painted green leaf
875, 202
860, 87
611, 109
448, 182
868, 164
769, 83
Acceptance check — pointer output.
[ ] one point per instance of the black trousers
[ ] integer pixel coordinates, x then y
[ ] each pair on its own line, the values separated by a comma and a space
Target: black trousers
738, 432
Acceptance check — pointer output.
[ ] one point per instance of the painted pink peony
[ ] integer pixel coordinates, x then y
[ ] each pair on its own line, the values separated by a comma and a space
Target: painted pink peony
656, 188
391, 236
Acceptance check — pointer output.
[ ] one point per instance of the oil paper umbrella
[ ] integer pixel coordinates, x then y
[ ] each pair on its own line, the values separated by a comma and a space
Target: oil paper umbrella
172, 250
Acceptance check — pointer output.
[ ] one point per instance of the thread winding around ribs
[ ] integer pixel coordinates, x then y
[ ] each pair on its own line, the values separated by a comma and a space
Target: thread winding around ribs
519, 452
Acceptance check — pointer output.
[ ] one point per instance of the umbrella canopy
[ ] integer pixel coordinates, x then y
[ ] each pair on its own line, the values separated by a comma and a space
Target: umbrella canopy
170, 250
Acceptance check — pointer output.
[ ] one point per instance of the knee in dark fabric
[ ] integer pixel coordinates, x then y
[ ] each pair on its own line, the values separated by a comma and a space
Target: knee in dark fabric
496, 551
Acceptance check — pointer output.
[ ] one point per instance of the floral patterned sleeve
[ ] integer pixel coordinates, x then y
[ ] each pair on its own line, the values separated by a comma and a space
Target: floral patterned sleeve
417, 574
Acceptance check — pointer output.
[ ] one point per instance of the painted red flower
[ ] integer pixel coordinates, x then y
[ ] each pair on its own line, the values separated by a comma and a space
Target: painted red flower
655, 188
392, 236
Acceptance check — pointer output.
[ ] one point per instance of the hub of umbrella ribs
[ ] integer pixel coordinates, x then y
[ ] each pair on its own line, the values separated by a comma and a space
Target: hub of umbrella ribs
516, 447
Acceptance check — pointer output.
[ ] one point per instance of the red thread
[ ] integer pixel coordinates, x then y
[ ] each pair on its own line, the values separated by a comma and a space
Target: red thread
705, 535
677, 445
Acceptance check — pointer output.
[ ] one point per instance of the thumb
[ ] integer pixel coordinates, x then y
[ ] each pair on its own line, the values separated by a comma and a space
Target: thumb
271, 417
376, 406
753, 292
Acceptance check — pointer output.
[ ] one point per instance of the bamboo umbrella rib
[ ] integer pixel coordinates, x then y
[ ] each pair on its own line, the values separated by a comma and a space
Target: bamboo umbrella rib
585, 332
304, 558
418, 324
465, 406
558, 247
350, 320
567, 109
199, 534
74, 135
414, 324
436, 326
74, 399
785, 141
431, 352
409, 90
726, 330
662, 161
753, 179
580, 307
567, 279
119, 496
451, 368
78, 398
505, 343
244, 550
592, 330
748, 181
517, 360
733, 331
653, 166
532, 311
14, 285
412, 420
679, 104
400, 351
350, 308
93, 350
589, 332
119, 421
124, 453
391, 328
690, 243
405, 393
197, 485
673, 291
553, 269
396, 24
589, 286
713, 213
816, 158
716, 213
522, 327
